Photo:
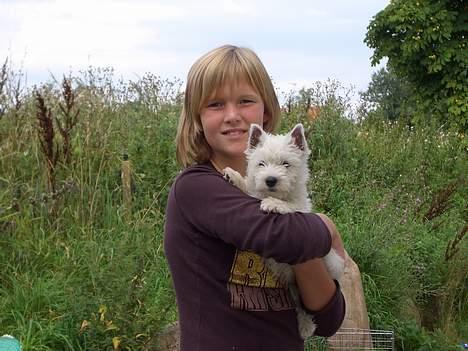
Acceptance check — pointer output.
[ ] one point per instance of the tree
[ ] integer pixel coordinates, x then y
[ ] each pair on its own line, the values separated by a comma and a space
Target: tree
387, 95
425, 42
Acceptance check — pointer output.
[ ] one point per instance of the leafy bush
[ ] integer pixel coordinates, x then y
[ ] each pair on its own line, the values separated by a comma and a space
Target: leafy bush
425, 43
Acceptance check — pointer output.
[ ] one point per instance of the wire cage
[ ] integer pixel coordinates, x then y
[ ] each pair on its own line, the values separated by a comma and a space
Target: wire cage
354, 339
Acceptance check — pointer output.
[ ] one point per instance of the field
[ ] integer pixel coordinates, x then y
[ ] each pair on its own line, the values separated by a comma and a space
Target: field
80, 269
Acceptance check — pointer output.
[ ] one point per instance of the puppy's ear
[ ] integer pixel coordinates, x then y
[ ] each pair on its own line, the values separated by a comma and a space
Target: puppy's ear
256, 134
298, 137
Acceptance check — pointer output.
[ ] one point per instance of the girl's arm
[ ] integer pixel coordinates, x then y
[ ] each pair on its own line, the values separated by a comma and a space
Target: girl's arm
317, 292
314, 283
215, 208
321, 296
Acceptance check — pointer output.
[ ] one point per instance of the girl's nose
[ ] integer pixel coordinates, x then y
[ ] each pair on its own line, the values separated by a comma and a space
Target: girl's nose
231, 112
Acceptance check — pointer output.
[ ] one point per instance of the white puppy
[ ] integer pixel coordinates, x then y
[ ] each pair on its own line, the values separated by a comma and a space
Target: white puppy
277, 173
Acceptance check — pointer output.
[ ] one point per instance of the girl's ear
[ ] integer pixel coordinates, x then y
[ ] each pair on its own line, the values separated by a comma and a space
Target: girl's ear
298, 137
256, 135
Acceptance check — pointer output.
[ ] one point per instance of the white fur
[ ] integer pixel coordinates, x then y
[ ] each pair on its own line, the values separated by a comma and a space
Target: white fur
282, 160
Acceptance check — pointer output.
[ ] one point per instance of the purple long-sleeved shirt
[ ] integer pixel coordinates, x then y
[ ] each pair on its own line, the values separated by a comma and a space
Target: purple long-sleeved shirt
215, 236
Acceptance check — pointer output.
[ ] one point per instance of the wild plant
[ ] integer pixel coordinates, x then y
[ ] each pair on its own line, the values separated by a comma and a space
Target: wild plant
70, 117
3, 81
441, 201
49, 145
454, 245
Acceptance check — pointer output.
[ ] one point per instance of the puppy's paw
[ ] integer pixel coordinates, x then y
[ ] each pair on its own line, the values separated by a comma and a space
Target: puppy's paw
305, 324
234, 177
271, 204
228, 174
335, 264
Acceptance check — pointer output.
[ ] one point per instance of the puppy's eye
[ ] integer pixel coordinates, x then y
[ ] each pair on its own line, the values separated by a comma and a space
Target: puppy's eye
261, 164
286, 164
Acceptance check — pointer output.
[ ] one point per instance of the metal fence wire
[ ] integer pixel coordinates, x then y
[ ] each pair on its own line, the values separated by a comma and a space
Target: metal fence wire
353, 340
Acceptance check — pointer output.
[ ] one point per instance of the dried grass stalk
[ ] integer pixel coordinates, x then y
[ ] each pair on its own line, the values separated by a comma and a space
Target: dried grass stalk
70, 118
46, 134
453, 246
440, 202
3, 81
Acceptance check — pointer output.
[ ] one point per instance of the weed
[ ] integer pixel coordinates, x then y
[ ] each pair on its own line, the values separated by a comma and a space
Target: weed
46, 134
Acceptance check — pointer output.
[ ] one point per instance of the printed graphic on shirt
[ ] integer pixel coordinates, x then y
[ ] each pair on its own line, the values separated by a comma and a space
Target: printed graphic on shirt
253, 287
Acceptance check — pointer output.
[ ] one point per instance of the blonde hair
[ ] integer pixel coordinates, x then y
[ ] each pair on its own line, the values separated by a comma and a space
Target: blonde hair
227, 63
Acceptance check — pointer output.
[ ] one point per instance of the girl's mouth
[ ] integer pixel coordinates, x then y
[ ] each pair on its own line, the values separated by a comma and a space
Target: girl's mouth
233, 132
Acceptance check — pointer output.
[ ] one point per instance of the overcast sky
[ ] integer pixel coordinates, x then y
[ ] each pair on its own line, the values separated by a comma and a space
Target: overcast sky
300, 42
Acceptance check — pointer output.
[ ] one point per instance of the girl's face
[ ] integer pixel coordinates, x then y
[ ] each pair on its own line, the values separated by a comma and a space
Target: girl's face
226, 118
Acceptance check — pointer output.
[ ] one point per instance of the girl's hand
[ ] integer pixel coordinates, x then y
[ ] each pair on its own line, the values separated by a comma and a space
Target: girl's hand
337, 242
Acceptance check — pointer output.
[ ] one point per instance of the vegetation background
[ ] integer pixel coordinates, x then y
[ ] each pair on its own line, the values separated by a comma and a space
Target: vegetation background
78, 272
81, 270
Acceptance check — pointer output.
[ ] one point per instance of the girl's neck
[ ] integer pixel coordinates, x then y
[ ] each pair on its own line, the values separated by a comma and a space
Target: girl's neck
219, 165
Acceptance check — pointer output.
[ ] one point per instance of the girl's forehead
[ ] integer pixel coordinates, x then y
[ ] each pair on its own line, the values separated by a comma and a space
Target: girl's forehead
240, 86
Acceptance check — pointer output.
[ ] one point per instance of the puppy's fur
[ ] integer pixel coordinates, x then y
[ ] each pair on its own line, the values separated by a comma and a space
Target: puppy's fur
277, 173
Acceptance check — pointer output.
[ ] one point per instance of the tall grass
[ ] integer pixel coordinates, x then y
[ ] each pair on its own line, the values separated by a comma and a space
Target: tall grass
77, 274
80, 277
398, 195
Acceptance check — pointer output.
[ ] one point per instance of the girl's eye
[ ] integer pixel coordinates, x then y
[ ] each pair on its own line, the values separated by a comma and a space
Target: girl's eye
246, 101
286, 164
214, 104
261, 164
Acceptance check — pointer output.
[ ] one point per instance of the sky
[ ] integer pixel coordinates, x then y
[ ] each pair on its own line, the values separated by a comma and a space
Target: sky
299, 41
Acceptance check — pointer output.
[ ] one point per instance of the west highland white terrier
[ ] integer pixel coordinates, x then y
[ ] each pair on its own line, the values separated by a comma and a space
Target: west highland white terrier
277, 173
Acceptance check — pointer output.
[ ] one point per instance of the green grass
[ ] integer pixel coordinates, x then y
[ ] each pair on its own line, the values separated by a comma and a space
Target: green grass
77, 274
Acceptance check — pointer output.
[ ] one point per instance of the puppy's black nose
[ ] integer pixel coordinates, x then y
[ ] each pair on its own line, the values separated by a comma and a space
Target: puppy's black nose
271, 181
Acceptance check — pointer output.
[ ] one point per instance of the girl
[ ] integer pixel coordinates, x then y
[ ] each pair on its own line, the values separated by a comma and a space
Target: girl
216, 235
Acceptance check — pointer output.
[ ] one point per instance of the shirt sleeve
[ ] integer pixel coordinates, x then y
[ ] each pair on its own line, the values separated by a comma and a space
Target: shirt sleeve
329, 318
215, 207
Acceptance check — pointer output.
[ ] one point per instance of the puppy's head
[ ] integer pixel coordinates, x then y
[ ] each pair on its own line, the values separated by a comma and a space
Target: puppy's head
277, 164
